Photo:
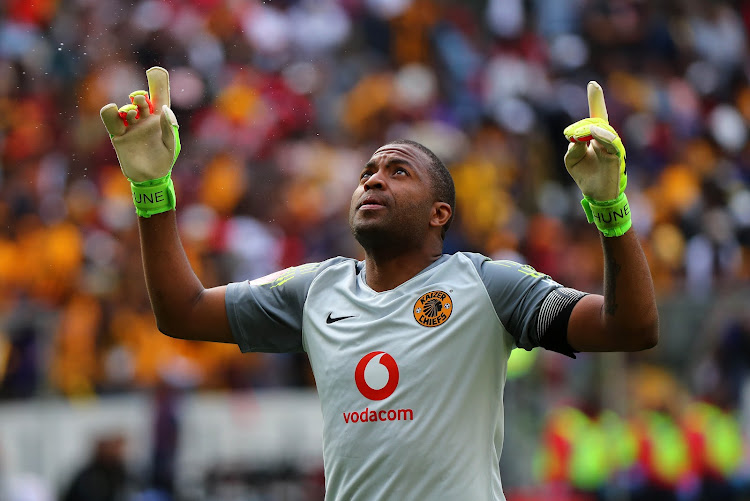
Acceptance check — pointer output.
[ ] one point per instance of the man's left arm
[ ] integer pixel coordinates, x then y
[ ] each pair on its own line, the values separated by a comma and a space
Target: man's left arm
625, 318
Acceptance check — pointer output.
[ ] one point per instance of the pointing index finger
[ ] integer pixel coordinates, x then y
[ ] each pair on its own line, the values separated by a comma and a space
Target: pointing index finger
597, 107
158, 86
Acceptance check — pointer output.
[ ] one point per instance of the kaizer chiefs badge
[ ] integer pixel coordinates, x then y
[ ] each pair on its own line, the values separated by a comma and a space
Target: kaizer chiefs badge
433, 308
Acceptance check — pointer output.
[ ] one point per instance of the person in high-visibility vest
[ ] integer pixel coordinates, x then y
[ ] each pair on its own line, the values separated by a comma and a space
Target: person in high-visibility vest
575, 452
622, 447
664, 457
716, 444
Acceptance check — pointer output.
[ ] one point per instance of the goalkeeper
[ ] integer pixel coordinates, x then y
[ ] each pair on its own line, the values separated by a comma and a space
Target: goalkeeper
409, 347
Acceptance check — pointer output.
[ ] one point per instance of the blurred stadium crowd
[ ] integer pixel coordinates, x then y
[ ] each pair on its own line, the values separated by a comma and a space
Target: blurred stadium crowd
281, 103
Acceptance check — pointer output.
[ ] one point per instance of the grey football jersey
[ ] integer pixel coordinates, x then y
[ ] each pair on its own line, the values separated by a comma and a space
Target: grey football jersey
410, 379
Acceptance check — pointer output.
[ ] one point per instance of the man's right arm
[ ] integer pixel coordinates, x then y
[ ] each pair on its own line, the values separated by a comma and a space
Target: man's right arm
145, 135
183, 308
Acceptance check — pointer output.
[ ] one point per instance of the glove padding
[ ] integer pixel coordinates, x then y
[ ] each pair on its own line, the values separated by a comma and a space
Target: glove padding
596, 162
146, 138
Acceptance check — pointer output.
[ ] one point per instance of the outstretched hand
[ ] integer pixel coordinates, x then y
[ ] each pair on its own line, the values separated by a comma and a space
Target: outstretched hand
596, 156
144, 132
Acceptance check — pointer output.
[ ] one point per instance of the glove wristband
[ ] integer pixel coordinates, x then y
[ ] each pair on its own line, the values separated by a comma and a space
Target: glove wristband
611, 217
153, 196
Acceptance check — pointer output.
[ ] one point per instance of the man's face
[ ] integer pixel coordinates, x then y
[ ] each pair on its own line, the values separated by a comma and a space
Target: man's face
393, 201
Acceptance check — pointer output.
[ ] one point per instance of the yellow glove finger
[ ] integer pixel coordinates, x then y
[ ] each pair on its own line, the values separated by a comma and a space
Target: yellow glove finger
112, 121
141, 100
158, 86
580, 132
128, 113
597, 106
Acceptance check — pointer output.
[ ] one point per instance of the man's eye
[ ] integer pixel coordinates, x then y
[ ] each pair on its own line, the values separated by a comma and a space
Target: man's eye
364, 175
401, 170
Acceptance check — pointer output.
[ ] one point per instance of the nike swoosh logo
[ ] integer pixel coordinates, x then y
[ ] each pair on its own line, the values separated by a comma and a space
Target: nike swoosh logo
331, 319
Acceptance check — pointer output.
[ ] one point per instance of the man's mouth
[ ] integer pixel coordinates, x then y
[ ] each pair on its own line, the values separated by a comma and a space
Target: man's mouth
370, 203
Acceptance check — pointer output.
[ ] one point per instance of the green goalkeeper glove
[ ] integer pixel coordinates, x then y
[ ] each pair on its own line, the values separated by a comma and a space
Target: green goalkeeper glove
596, 162
146, 138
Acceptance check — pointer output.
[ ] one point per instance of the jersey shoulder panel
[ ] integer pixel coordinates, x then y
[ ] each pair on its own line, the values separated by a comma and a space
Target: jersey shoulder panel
265, 314
517, 291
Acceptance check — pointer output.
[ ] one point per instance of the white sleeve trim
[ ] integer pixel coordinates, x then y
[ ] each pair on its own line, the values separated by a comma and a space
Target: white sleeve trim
555, 302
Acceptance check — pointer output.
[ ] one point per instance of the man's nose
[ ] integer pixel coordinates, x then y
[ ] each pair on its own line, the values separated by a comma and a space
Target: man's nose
374, 181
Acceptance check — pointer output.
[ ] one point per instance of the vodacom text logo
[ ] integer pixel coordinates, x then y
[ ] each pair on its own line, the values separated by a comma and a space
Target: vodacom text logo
376, 375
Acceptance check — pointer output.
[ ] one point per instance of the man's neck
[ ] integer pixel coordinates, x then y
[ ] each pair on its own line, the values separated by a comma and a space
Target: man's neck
384, 273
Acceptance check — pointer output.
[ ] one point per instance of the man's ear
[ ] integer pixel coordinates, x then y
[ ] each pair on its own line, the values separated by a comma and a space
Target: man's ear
441, 214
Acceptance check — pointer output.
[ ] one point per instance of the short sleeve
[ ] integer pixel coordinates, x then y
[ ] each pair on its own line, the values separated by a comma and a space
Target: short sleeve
525, 304
266, 314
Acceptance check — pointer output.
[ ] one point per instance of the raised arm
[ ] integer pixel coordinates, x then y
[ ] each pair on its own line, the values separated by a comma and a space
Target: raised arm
146, 138
183, 307
625, 318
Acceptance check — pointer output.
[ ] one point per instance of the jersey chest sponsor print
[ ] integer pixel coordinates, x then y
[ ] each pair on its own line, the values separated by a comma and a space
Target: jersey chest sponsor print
376, 378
